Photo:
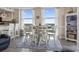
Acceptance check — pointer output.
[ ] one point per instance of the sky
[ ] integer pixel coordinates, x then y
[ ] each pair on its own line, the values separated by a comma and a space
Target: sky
49, 12
27, 13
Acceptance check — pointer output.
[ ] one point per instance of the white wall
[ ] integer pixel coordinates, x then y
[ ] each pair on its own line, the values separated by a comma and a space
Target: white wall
61, 20
38, 13
78, 29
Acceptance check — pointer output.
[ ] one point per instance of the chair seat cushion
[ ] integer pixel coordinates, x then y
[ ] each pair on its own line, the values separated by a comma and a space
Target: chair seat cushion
4, 41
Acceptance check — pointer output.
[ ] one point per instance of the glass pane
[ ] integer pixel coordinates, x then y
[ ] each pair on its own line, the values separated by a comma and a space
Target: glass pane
49, 21
49, 12
28, 21
27, 13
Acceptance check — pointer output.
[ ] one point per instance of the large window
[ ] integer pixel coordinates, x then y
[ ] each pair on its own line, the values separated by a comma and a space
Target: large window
49, 18
27, 16
49, 15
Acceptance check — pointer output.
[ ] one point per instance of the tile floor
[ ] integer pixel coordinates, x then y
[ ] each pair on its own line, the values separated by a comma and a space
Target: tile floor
20, 44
